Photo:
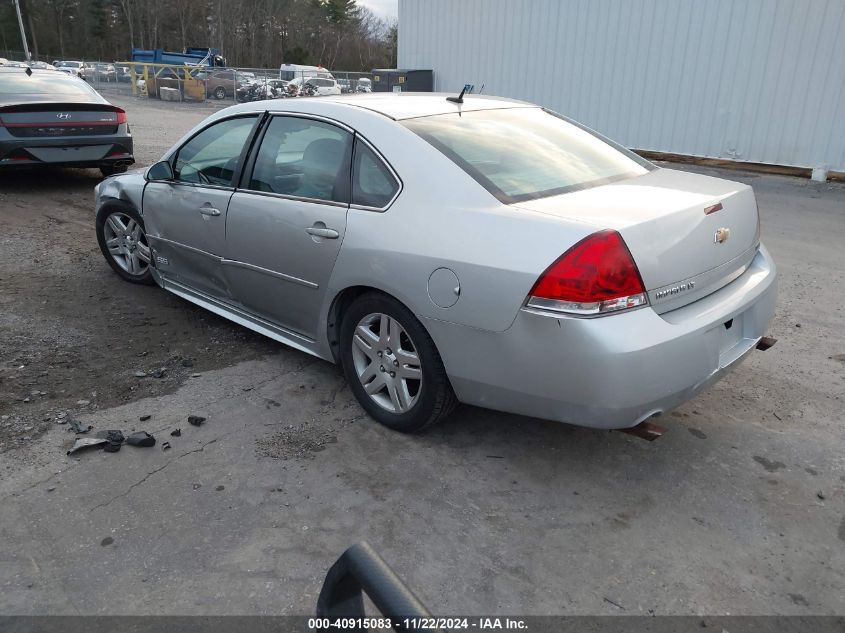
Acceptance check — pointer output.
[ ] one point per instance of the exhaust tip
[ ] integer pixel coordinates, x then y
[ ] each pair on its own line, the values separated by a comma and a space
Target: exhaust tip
765, 343
646, 430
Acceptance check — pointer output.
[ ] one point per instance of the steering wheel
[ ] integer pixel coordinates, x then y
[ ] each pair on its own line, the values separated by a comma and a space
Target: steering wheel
203, 178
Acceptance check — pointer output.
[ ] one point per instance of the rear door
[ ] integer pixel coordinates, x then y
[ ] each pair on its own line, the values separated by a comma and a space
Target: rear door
185, 218
285, 226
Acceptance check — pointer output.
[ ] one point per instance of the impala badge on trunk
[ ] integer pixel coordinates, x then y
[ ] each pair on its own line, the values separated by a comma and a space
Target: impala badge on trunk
722, 235
674, 290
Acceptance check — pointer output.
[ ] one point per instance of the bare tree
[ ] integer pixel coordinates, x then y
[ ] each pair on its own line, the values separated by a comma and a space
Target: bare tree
338, 34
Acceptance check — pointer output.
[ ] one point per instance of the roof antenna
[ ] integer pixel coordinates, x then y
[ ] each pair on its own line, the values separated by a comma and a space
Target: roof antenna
460, 97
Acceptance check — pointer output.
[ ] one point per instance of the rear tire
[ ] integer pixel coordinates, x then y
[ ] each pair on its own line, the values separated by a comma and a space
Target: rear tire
393, 366
220, 93
123, 242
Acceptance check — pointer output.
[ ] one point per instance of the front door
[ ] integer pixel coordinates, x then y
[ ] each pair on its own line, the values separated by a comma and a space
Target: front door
285, 226
185, 218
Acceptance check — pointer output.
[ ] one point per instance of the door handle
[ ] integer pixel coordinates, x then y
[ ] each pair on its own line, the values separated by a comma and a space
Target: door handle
322, 231
208, 210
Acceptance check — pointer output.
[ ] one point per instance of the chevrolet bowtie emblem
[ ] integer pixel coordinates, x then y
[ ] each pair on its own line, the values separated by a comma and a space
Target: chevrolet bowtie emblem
722, 235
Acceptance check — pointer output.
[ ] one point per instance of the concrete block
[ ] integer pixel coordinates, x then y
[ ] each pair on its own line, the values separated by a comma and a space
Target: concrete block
819, 174
169, 94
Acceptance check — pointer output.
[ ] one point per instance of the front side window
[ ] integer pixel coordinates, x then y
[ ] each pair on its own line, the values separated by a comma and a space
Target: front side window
521, 154
372, 183
304, 158
211, 157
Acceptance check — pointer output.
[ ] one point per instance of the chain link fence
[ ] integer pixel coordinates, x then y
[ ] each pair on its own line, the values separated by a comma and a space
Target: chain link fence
200, 83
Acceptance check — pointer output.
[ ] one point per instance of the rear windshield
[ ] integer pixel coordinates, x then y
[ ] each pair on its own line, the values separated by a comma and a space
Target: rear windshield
521, 154
46, 86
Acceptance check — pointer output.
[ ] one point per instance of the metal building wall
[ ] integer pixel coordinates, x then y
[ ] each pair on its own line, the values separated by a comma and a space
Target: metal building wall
750, 80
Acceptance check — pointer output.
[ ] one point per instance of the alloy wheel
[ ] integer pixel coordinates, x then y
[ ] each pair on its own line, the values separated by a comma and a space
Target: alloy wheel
387, 362
127, 243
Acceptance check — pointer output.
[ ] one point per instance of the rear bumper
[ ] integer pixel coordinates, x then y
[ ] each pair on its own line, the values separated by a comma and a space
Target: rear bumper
615, 371
90, 151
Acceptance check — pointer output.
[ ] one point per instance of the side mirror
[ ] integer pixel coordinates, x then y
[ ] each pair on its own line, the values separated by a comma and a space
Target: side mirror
162, 170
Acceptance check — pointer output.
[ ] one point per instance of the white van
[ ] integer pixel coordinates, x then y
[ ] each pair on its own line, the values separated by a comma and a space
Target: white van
288, 72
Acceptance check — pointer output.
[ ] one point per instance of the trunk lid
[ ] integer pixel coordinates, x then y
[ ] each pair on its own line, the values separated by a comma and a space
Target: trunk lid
689, 234
57, 119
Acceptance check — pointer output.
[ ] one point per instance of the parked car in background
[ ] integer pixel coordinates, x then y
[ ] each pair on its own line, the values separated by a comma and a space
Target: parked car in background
52, 118
597, 288
344, 85
364, 84
88, 71
222, 84
324, 86
123, 74
3, 61
105, 72
313, 86
70, 67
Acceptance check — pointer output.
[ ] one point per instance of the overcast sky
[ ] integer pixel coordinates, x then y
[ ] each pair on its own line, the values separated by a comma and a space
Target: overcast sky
384, 8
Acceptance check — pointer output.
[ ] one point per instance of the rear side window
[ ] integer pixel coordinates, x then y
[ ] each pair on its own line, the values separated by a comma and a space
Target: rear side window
304, 158
373, 185
521, 154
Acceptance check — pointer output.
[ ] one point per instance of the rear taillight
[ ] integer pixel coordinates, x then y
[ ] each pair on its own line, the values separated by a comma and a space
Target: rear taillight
594, 277
121, 117
17, 154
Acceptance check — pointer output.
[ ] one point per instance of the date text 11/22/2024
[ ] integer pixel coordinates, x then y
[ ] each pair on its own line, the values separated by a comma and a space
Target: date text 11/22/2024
417, 624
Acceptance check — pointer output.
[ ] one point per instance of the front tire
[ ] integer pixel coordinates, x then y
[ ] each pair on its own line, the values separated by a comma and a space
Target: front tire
392, 365
123, 241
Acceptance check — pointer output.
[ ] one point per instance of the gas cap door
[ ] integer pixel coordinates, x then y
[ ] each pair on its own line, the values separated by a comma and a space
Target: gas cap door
444, 288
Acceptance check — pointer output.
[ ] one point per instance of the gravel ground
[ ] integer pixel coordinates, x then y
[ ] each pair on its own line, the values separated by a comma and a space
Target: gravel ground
74, 336
739, 508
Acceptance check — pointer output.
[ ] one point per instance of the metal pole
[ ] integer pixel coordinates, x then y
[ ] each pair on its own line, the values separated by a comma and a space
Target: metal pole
23, 33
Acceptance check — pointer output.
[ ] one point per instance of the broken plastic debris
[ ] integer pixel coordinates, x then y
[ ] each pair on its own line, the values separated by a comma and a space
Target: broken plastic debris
114, 438
176, 433
76, 427
195, 420
141, 438
165, 446
86, 442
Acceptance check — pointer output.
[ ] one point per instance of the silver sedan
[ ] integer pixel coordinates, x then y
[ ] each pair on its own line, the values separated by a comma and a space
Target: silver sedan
487, 251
